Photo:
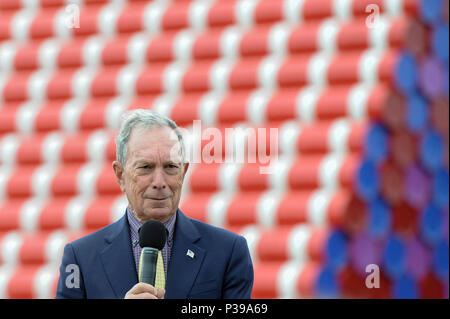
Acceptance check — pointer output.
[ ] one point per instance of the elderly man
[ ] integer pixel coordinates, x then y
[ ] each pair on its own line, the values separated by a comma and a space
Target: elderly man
200, 260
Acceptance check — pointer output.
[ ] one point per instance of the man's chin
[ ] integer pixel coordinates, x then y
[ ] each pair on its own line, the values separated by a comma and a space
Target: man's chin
162, 214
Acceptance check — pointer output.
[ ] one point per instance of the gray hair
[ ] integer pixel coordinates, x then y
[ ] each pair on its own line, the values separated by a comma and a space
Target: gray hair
145, 119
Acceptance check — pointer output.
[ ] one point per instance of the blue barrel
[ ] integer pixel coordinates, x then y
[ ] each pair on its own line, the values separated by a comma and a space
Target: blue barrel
440, 260
377, 143
446, 223
439, 43
327, 285
336, 250
417, 113
431, 226
405, 288
394, 257
367, 181
431, 11
379, 219
441, 188
406, 74
431, 151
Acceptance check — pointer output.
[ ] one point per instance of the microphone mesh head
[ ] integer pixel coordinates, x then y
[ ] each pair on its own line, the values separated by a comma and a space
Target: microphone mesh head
152, 234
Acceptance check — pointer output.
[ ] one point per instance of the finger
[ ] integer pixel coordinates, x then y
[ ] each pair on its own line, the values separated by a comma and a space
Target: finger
143, 287
160, 293
144, 295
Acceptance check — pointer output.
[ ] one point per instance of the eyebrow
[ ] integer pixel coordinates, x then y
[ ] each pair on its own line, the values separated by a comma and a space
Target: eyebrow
142, 162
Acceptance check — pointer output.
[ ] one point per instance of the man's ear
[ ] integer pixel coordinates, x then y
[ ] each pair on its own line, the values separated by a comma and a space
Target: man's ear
119, 171
186, 165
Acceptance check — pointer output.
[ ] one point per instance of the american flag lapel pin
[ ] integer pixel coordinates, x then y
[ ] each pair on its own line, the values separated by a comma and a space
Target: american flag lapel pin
190, 253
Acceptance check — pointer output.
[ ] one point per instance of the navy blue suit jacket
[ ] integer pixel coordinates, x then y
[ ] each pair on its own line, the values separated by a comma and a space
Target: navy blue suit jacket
221, 267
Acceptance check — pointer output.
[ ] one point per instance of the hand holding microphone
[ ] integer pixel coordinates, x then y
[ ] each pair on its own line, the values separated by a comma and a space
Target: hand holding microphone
143, 290
152, 238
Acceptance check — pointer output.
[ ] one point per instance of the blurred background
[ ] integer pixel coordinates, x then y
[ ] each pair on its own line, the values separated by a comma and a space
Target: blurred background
357, 192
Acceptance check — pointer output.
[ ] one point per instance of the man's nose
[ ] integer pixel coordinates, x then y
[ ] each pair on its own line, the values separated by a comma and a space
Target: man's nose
159, 180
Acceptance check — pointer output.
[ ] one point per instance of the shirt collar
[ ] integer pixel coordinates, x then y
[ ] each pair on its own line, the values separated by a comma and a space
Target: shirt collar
135, 224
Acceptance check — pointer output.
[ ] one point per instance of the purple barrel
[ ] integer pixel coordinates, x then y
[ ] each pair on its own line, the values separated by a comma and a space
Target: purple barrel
416, 187
418, 259
431, 77
364, 251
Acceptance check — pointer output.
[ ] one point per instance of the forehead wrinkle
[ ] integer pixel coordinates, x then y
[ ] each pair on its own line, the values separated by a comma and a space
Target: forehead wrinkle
148, 141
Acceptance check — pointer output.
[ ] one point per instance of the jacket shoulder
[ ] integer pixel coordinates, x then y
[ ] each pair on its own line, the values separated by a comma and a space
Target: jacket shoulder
98, 237
211, 232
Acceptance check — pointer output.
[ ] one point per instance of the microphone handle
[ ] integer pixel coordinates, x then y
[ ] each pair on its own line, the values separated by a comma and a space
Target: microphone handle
147, 265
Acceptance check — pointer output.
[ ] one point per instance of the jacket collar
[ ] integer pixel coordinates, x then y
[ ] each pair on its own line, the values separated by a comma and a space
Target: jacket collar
186, 259
117, 258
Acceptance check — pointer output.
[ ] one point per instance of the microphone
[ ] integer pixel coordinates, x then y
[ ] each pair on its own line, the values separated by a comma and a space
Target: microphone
152, 238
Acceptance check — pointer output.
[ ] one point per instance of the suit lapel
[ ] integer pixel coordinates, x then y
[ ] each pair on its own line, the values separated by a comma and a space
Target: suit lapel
117, 258
183, 266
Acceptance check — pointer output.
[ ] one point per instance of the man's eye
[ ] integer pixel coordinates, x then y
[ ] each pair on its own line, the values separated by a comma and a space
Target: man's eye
172, 167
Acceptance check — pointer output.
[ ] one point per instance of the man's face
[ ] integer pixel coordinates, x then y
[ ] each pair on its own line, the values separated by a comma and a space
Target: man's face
153, 175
